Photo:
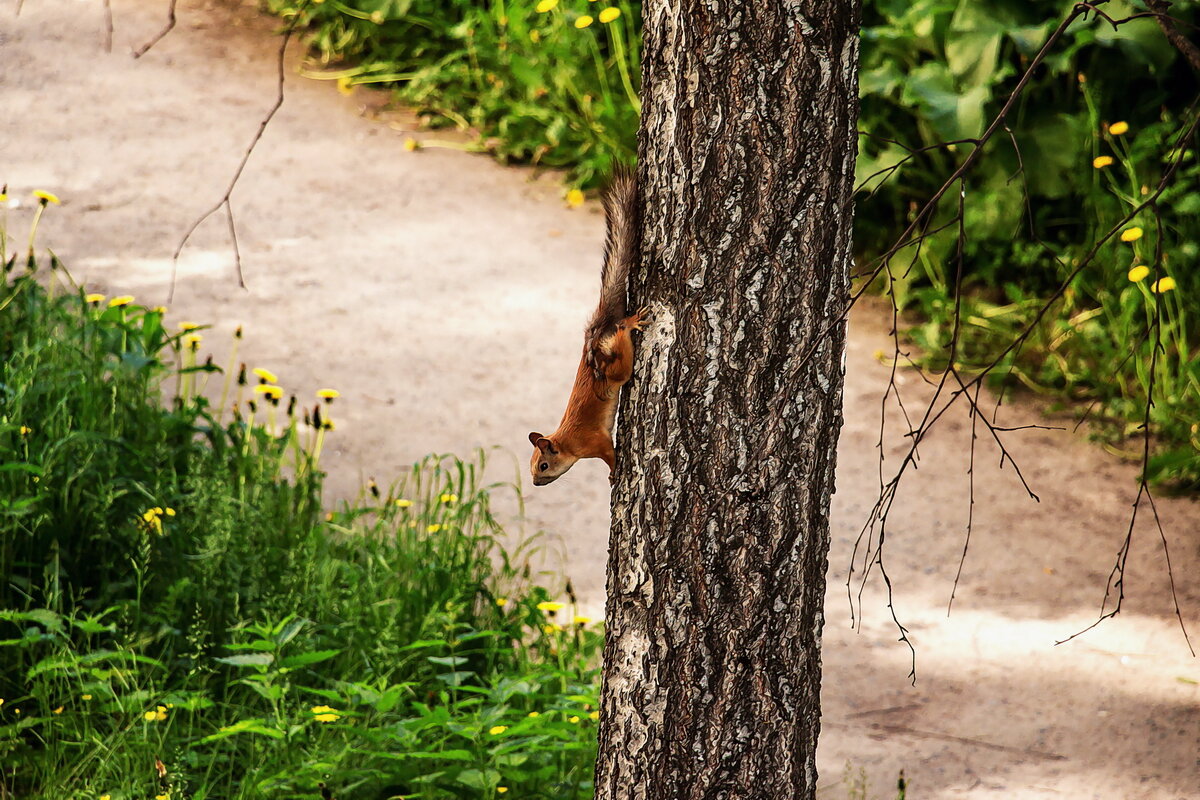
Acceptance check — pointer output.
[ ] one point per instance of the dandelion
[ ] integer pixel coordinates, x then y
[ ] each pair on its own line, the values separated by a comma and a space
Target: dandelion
550, 606
575, 198
25, 430
1101, 162
192, 341
501, 789
163, 796
1118, 128
546, 5
46, 197
580, 620
328, 395
118, 302
1163, 285
85, 697
265, 375
449, 498
573, 720
157, 715
496, 730
434, 528
583, 21
1138, 273
271, 391
535, 36
95, 297
551, 628
533, 715
325, 714
609, 14
377, 17
594, 715
58, 710
1131, 234
106, 797
411, 144
403, 503
502, 601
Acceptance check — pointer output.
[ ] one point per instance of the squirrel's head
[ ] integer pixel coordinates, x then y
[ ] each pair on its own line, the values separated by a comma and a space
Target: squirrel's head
548, 462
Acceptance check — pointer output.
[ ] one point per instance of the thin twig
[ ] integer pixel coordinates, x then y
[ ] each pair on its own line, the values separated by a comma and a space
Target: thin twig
141, 51
225, 198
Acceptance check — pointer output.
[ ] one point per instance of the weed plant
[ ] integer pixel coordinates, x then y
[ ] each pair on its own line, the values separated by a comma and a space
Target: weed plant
180, 617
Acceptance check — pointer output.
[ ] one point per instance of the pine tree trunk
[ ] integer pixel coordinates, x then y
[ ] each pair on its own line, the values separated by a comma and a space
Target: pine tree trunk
729, 430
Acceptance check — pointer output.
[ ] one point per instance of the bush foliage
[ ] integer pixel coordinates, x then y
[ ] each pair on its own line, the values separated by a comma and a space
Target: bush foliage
180, 618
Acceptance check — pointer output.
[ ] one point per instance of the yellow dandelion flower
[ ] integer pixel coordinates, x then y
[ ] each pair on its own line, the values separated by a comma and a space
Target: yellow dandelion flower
328, 395
123, 300
594, 715
1138, 273
574, 198
329, 426
326, 717
573, 720
377, 17
449, 498
496, 730
546, 5
192, 341
533, 715
583, 21
170, 512
25, 430
535, 36
551, 628
265, 375
85, 697
434, 528
160, 713
609, 14
501, 789
3, 197
150, 716
95, 297
46, 197
344, 86
188, 326
270, 390
1118, 128
1163, 285
404, 503
411, 144
1101, 162
502, 601
550, 606
163, 796
58, 710
580, 620
159, 310
106, 797
1131, 234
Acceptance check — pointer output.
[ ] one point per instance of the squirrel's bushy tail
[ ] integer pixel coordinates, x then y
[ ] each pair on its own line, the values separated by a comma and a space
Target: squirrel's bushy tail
620, 251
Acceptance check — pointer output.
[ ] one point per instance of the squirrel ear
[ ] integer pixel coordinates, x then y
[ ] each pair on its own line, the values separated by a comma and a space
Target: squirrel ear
546, 446
533, 438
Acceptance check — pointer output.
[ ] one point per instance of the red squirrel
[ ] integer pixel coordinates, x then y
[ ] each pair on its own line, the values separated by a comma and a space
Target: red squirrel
607, 362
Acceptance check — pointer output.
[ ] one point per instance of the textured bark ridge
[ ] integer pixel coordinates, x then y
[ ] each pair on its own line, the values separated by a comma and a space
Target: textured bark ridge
729, 430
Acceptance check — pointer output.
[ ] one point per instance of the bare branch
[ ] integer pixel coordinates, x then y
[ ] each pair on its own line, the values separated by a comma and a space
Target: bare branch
141, 51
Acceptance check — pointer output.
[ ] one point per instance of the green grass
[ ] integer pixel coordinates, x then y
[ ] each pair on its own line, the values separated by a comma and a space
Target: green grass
175, 593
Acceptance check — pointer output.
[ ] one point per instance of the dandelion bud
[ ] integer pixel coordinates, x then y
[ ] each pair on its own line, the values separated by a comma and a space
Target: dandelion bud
291, 406
317, 422
242, 375
374, 487
253, 406
238, 333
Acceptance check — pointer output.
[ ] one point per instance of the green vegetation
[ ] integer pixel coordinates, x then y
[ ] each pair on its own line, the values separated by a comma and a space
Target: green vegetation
552, 82
180, 618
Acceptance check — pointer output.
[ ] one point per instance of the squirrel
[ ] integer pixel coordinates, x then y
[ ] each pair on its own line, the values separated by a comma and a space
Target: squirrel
607, 362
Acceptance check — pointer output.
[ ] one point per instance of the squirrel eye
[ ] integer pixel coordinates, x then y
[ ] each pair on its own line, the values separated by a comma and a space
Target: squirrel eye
545, 466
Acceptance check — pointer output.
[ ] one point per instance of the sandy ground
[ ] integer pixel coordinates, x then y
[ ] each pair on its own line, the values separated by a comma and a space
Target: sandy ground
444, 296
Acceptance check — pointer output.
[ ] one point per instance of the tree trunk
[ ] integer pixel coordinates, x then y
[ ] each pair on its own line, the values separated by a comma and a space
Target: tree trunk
729, 429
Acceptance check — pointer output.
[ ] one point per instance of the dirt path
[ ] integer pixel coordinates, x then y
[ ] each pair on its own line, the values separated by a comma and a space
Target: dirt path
444, 295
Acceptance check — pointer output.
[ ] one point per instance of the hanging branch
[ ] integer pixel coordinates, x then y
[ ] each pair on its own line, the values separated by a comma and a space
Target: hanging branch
170, 26
224, 202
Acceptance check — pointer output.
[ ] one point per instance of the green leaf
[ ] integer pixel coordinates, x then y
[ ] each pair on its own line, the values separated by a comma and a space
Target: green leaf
303, 659
248, 660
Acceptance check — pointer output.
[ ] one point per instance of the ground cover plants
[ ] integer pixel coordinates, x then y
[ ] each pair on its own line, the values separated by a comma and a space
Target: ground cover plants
181, 618
555, 83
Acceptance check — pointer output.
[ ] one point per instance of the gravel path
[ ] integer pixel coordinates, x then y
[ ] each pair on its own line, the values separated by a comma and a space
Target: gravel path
444, 295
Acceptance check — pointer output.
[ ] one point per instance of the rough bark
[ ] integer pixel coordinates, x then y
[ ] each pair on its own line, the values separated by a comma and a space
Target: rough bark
728, 433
